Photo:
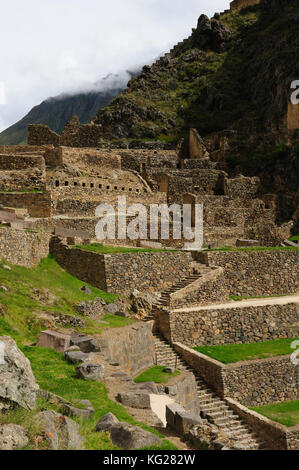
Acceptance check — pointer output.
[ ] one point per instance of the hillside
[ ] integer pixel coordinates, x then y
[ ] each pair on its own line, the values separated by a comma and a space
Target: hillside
234, 71
56, 112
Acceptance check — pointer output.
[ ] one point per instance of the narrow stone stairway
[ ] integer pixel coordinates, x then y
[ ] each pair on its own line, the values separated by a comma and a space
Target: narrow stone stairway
212, 407
199, 270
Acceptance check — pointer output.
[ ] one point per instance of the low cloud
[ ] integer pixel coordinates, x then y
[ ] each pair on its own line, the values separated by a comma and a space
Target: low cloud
51, 47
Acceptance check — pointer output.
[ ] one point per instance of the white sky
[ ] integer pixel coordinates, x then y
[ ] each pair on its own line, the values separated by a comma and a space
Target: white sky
53, 46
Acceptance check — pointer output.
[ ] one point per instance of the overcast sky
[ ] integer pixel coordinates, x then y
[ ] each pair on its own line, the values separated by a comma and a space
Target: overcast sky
53, 46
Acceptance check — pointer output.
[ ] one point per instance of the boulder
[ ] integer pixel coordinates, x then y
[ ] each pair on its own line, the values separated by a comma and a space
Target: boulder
76, 357
135, 399
86, 290
13, 437
73, 412
169, 370
59, 431
129, 437
106, 423
90, 371
54, 340
150, 387
86, 344
17, 384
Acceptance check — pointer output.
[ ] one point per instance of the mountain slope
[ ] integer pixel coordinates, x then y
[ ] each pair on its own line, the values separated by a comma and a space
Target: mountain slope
56, 112
233, 71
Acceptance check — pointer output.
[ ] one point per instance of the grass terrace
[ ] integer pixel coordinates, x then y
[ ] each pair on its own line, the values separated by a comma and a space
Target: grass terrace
109, 249
231, 353
252, 248
156, 374
286, 413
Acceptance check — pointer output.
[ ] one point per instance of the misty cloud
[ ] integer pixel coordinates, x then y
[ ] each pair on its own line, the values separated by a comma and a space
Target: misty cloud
51, 47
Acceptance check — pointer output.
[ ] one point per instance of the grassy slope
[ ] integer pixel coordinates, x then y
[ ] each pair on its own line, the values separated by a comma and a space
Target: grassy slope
53, 373
156, 374
230, 353
19, 317
286, 413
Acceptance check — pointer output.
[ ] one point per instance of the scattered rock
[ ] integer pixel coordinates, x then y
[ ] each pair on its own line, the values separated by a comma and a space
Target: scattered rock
44, 296
76, 357
13, 437
4, 266
54, 340
59, 431
76, 412
87, 344
86, 290
169, 370
150, 387
90, 371
135, 399
4, 288
92, 308
129, 437
17, 384
52, 398
106, 423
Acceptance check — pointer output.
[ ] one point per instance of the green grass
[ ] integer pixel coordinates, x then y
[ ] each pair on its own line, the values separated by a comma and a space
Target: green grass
54, 374
107, 249
253, 248
156, 374
295, 238
230, 353
286, 413
20, 310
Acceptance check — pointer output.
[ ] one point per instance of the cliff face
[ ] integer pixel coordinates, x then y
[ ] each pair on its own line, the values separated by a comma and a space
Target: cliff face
233, 71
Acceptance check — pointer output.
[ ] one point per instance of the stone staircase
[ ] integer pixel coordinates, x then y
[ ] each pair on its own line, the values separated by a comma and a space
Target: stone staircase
212, 407
199, 270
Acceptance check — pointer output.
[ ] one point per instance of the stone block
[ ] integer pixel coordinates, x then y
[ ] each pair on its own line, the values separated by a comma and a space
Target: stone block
54, 340
244, 242
135, 399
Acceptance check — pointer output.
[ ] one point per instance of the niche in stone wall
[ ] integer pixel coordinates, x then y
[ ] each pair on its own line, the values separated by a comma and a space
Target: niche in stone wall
164, 184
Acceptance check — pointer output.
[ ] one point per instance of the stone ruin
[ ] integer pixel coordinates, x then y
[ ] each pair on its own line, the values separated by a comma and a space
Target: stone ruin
74, 134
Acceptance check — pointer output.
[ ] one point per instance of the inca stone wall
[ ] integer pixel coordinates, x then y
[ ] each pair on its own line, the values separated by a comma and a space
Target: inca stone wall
230, 325
253, 383
38, 204
74, 134
22, 247
145, 271
89, 267
275, 435
254, 273
122, 273
22, 172
183, 389
263, 381
132, 347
